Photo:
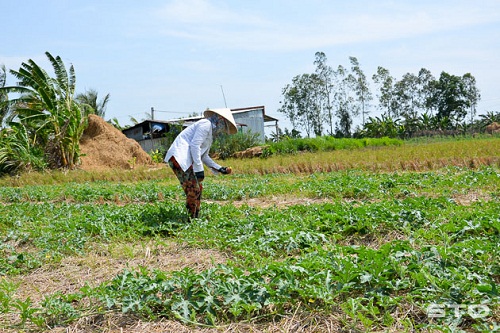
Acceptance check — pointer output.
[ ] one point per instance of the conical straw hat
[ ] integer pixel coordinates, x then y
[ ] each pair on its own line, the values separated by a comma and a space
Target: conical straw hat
227, 114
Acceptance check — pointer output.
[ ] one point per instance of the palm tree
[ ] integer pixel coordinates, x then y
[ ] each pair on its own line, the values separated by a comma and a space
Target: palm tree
489, 117
46, 107
90, 103
116, 124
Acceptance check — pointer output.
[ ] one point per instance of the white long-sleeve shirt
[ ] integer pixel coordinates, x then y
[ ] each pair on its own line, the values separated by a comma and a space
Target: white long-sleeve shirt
192, 145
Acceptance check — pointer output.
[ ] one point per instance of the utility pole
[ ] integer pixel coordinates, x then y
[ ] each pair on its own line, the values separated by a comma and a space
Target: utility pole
152, 113
223, 95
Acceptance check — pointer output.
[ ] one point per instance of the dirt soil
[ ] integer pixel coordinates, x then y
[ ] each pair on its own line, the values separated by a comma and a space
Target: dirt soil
105, 147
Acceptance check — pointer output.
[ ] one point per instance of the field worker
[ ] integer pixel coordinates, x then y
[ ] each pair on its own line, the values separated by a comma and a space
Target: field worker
189, 152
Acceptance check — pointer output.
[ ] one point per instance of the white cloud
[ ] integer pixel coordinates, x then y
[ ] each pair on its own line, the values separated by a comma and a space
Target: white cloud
200, 13
192, 11
375, 23
231, 27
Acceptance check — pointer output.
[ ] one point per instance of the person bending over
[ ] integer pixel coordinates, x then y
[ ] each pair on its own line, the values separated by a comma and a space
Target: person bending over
189, 152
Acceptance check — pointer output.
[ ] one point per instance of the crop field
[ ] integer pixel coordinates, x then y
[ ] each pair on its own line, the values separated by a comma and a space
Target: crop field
393, 239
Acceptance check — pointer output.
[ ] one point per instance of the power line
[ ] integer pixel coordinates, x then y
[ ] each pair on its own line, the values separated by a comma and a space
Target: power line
170, 111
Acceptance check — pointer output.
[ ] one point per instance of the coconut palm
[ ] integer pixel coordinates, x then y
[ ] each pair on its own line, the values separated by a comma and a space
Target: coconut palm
489, 117
116, 124
91, 105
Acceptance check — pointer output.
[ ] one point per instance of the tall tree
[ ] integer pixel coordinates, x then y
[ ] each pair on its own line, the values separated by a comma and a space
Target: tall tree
90, 103
425, 80
325, 76
406, 92
343, 102
386, 98
301, 104
472, 94
361, 87
450, 97
291, 105
315, 103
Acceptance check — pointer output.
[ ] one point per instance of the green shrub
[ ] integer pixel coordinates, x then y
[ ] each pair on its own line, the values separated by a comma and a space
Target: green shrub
18, 153
325, 143
157, 155
227, 145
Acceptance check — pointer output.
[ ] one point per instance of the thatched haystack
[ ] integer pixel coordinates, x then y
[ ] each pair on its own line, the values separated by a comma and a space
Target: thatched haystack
103, 146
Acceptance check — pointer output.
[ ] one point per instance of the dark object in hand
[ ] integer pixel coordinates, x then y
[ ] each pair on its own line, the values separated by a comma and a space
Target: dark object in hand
200, 175
225, 170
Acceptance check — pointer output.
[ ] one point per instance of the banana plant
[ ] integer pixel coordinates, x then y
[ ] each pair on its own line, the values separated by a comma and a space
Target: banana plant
17, 151
382, 126
47, 107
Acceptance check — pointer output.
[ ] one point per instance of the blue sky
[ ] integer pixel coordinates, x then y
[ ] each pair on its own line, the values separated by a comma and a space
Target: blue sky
176, 55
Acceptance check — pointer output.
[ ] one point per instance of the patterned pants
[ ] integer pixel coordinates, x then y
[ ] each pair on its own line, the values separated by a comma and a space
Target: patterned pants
191, 186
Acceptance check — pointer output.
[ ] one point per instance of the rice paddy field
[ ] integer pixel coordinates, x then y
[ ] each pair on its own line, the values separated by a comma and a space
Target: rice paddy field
402, 238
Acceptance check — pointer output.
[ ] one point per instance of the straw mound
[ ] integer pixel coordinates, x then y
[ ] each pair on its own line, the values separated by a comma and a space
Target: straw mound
103, 146
493, 128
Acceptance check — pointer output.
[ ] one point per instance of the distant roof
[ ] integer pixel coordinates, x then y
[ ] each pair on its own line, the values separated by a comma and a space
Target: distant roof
189, 120
238, 110
143, 123
266, 117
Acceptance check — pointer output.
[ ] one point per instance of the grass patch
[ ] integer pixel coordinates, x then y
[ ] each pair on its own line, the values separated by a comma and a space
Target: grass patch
325, 143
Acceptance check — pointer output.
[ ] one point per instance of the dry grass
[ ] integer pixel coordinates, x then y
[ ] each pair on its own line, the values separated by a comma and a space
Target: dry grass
472, 153
296, 322
409, 157
466, 199
103, 264
274, 201
118, 323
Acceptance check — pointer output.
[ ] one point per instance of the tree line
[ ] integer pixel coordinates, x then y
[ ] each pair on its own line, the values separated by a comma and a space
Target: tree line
327, 101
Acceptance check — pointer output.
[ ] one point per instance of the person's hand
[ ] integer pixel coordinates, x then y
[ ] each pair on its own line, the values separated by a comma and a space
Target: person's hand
200, 175
225, 170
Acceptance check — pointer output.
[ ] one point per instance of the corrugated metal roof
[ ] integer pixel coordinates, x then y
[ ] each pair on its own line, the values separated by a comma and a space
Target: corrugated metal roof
189, 120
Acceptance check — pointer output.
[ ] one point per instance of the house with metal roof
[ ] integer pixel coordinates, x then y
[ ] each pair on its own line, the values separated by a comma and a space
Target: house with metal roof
151, 134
